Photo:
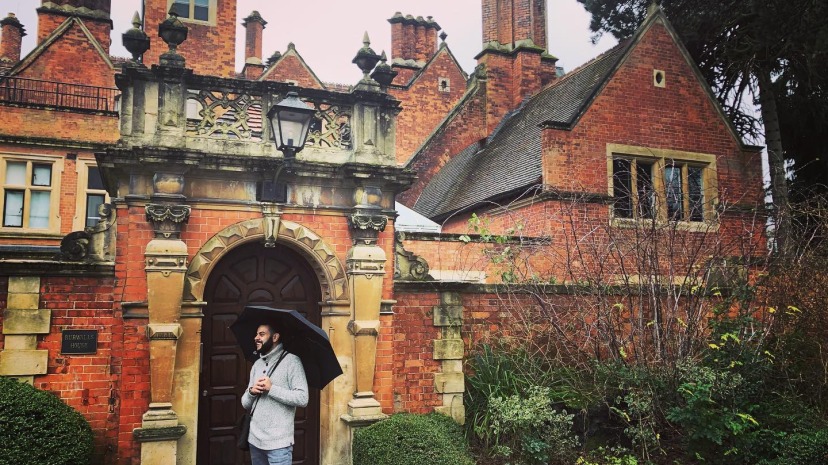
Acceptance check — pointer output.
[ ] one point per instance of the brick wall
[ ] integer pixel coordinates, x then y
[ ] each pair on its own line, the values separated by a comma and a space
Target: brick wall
291, 68
210, 49
73, 58
425, 104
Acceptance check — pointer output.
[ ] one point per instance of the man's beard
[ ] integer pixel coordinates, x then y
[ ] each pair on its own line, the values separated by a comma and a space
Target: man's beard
266, 346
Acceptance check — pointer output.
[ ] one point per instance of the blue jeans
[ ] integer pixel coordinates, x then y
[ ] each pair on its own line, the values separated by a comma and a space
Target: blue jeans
283, 456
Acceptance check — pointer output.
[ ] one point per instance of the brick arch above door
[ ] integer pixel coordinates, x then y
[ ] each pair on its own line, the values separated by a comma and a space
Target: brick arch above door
320, 255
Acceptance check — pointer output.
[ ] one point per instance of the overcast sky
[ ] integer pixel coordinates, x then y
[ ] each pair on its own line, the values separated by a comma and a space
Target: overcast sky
328, 33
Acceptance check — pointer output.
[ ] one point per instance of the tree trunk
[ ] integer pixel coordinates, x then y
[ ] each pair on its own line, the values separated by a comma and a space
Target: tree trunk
776, 163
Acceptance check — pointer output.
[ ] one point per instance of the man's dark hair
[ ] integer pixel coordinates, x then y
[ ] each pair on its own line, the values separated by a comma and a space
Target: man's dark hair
272, 328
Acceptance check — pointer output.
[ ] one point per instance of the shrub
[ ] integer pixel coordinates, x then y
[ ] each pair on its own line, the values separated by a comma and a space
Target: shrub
37, 428
409, 439
529, 431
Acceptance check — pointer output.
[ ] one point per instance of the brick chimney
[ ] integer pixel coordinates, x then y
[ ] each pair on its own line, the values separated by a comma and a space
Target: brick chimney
93, 13
254, 26
514, 55
11, 36
413, 38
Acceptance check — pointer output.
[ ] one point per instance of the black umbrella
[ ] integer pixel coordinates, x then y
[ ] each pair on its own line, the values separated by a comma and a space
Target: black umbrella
299, 336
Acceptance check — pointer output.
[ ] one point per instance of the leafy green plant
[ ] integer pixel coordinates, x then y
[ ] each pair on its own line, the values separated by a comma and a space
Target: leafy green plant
530, 431
36, 428
409, 439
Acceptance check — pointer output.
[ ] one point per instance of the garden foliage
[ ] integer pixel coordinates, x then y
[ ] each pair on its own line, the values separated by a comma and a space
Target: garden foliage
37, 428
410, 439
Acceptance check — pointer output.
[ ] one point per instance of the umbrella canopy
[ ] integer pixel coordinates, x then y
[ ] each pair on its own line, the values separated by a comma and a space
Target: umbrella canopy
299, 336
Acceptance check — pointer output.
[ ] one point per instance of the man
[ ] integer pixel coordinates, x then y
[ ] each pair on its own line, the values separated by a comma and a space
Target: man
271, 427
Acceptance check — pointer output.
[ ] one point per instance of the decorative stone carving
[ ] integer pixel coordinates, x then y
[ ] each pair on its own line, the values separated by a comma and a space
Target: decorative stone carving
168, 219
366, 224
331, 127
74, 246
408, 266
227, 115
95, 243
272, 217
321, 256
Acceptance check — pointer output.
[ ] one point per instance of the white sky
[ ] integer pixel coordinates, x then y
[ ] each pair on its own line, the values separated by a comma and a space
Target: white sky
328, 33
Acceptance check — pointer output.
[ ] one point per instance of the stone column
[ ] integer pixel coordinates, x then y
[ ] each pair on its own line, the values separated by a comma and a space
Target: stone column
166, 265
366, 269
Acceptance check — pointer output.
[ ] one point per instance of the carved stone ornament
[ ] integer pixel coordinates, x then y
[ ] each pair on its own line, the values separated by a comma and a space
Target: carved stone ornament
74, 246
321, 256
272, 217
168, 219
366, 224
408, 266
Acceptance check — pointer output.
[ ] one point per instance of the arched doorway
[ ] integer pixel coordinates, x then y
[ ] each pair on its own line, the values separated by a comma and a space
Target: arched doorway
278, 277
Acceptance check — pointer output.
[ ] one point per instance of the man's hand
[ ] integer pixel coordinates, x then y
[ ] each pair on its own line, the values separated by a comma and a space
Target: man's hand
261, 385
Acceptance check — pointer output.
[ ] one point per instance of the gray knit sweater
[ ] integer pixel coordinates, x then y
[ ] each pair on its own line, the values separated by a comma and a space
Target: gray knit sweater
272, 423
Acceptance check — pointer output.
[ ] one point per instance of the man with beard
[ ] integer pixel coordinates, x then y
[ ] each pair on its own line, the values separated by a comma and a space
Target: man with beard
276, 397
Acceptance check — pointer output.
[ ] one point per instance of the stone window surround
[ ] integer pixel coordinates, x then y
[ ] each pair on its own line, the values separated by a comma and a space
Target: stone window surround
211, 12
54, 200
659, 158
82, 170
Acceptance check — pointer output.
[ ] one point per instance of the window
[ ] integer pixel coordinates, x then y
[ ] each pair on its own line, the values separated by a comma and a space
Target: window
661, 184
199, 10
27, 194
91, 195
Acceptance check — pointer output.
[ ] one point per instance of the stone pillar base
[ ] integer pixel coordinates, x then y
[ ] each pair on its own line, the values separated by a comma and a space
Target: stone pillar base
158, 435
364, 405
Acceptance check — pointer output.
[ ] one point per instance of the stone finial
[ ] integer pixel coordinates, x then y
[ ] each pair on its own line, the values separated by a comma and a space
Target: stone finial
443, 36
173, 32
366, 58
383, 73
135, 40
653, 8
274, 58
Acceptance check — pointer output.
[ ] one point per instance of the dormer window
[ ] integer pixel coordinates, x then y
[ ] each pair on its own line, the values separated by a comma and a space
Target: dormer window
198, 10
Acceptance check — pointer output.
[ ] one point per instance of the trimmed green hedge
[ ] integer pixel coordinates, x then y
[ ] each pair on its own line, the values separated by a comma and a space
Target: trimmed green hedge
408, 439
37, 428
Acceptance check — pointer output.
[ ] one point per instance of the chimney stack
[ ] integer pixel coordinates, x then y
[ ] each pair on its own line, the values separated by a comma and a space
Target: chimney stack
11, 36
254, 24
514, 54
413, 38
509, 22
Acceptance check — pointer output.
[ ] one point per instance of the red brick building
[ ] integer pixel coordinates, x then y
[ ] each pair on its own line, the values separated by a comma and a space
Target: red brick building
200, 213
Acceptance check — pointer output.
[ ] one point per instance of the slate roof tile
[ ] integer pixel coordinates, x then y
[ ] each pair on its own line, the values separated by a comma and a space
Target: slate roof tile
510, 161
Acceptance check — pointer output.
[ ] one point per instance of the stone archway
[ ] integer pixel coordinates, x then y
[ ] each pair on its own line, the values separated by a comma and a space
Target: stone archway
329, 270
336, 312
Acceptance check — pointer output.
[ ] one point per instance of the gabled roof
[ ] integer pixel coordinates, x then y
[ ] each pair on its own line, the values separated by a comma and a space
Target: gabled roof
510, 161
54, 36
291, 51
443, 48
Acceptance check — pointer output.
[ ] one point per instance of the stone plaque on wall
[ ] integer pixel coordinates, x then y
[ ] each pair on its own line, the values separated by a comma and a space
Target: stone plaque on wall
79, 341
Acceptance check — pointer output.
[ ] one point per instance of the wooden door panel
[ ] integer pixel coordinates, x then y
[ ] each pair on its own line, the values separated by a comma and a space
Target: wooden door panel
276, 277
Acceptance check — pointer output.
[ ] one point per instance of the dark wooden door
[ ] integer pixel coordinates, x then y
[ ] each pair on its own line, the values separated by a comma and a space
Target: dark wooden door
252, 274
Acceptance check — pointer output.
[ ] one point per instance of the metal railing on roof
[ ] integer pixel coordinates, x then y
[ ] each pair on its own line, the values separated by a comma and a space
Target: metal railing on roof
55, 94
